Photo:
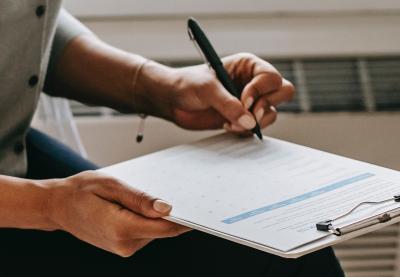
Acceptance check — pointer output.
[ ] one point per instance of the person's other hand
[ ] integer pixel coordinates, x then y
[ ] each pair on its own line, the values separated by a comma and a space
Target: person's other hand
199, 101
107, 213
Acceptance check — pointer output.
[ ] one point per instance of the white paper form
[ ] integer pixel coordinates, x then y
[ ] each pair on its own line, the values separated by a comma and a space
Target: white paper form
270, 192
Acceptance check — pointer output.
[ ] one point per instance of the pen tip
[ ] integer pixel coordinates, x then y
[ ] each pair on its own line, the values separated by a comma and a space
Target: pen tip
257, 130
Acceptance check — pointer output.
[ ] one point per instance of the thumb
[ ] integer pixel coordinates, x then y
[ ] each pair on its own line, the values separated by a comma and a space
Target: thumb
148, 205
135, 200
230, 107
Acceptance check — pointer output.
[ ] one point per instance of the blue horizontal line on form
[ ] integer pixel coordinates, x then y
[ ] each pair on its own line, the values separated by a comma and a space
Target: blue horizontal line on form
298, 198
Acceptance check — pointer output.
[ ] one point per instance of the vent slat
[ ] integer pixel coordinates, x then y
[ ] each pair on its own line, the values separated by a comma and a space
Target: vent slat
372, 273
376, 241
385, 81
359, 253
366, 264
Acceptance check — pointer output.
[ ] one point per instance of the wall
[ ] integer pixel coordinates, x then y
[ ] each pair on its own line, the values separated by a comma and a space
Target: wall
371, 137
157, 29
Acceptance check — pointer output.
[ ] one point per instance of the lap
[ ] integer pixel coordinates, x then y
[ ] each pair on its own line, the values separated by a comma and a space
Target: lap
191, 254
48, 158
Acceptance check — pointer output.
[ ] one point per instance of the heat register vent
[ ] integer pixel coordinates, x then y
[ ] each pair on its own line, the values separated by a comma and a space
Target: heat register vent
372, 255
359, 84
325, 85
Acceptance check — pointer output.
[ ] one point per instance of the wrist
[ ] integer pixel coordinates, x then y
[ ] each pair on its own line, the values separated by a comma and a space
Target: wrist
24, 204
43, 191
153, 90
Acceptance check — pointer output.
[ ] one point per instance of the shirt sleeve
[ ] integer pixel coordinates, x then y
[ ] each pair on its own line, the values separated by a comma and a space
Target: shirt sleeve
67, 28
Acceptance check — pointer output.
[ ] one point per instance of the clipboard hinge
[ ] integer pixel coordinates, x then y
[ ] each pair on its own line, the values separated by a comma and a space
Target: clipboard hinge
384, 218
324, 225
327, 225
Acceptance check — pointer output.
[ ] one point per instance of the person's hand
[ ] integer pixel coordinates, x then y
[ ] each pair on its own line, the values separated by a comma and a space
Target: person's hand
198, 100
107, 213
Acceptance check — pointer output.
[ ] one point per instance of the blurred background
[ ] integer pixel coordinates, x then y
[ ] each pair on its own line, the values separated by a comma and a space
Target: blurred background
343, 57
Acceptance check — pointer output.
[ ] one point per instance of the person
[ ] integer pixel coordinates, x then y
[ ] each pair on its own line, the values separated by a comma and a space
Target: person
58, 215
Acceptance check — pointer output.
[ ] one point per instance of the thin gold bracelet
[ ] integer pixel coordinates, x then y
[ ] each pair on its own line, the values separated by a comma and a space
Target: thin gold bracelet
140, 133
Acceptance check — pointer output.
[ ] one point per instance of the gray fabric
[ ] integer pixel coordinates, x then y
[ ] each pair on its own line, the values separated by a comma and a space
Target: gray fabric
68, 27
25, 43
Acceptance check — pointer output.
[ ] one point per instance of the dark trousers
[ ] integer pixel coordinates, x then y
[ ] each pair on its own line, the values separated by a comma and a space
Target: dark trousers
40, 253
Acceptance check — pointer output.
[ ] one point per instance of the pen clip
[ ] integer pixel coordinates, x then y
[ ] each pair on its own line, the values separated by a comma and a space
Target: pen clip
192, 38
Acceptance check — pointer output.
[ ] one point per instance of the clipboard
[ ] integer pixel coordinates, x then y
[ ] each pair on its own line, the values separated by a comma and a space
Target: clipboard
207, 182
335, 236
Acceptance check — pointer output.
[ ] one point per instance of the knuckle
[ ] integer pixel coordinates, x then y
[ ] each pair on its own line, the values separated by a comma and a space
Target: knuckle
247, 55
92, 174
232, 108
291, 90
264, 102
140, 200
209, 86
87, 172
106, 185
107, 180
206, 82
275, 79
82, 181
83, 175
272, 119
230, 103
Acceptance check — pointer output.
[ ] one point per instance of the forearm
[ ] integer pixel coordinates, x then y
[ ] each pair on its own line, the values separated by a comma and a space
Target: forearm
93, 72
23, 204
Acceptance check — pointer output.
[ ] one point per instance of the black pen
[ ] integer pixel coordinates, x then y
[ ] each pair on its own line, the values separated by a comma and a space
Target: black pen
197, 35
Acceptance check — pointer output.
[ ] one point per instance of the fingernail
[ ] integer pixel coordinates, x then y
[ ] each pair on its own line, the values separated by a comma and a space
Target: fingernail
226, 126
249, 101
247, 121
161, 206
259, 114
237, 128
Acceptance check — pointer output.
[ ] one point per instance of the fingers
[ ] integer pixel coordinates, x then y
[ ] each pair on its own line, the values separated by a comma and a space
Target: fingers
139, 213
208, 119
107, 213
263, 104
257, 76
229, 106
261, 85
268, 118
131, 225
264, 109
284, 94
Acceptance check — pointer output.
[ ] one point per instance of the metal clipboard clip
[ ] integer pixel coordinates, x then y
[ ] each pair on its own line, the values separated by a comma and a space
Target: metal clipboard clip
327, 225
